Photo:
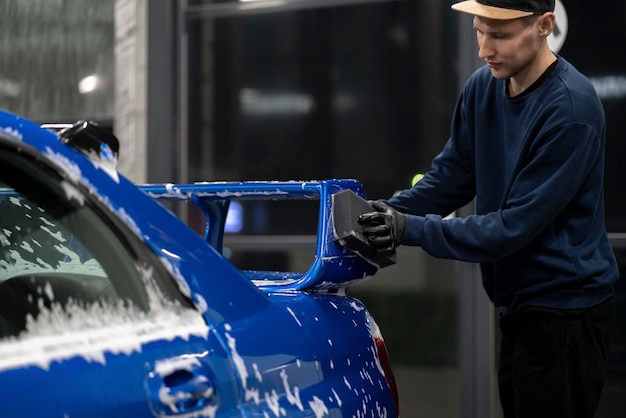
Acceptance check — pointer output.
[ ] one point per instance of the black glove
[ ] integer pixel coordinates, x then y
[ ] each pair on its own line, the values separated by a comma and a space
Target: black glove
384, 228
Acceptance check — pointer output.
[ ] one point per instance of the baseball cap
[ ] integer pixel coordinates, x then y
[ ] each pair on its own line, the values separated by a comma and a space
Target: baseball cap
504, 9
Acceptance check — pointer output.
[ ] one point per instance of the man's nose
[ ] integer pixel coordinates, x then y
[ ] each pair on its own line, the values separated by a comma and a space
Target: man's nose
485, 49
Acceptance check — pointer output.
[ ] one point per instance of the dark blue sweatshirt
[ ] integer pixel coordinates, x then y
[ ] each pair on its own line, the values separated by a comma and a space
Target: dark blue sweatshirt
535, 165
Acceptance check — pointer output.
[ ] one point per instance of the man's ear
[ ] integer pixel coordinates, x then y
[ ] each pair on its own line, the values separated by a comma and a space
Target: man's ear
546, 24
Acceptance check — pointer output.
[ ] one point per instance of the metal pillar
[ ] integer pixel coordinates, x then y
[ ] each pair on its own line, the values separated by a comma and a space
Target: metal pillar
476, 322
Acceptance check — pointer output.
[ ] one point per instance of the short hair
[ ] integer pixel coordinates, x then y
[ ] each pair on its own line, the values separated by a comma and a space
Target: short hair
529, 20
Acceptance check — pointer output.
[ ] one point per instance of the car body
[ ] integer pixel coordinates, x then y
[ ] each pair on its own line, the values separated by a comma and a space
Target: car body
112, 306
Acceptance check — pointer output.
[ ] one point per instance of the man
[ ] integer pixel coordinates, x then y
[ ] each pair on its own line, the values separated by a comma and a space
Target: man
527, 142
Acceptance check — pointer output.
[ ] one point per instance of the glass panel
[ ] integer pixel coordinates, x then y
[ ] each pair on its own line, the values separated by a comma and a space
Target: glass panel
57, 258
586, 34
592, 33
57, 59
344, 92
611, 405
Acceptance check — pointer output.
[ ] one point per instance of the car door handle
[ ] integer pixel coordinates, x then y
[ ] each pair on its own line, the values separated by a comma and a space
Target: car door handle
179, 390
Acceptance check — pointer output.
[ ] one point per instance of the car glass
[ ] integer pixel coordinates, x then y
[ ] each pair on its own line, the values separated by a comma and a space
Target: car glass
62, 266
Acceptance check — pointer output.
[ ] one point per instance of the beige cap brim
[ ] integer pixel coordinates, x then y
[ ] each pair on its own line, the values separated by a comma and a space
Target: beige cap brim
474, 8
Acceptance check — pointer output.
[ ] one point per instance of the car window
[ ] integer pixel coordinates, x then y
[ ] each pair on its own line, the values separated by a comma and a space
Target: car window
62, 266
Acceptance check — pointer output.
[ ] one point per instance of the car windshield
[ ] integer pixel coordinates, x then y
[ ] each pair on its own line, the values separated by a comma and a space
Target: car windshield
56, 253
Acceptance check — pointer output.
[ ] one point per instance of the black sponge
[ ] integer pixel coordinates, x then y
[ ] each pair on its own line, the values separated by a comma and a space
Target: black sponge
347, 206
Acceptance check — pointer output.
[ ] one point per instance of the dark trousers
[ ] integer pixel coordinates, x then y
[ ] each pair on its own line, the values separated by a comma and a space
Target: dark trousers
553, 362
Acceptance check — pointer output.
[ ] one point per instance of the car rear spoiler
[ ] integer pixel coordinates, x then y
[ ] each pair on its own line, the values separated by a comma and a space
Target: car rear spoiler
333, 266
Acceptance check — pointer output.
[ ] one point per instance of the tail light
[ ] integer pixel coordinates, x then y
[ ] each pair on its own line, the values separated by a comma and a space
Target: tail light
385, 364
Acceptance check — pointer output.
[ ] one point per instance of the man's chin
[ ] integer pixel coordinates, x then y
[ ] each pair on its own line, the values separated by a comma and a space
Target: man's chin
499, 74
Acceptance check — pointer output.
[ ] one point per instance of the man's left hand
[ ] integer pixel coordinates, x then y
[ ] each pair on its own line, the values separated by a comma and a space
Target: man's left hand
384, 228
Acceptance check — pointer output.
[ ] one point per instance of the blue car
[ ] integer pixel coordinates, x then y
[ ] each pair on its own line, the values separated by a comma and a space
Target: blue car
112, 306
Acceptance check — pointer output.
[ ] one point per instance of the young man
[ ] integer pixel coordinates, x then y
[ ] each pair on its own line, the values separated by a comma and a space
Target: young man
527, 142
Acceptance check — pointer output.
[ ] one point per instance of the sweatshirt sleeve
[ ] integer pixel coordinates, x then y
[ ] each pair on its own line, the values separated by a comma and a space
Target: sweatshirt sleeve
560, 176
